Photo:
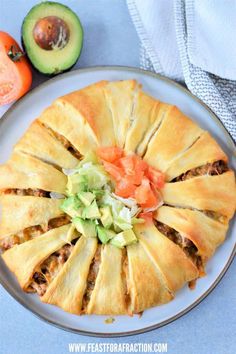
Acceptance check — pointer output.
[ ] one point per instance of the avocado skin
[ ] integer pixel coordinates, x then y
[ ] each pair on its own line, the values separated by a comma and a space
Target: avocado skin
49, 75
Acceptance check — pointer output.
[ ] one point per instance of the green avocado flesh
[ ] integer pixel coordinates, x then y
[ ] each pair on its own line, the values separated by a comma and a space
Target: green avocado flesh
60, 58
95, 209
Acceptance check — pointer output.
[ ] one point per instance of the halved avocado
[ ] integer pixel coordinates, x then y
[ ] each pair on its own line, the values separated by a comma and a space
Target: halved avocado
52, 37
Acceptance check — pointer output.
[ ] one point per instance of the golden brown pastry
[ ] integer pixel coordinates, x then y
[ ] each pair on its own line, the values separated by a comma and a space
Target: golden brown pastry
91, 106
80, 274
108, 296
23, 171
215, 193
145, 283
175, 134
20, 212
65, 121
38, 142
68, 288
121, 96
175, 267
23, 259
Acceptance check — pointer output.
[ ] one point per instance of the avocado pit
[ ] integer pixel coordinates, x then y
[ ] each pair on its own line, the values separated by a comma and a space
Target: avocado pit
51, 33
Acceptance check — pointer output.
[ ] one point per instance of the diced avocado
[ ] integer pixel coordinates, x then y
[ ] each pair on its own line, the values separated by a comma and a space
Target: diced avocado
124, 238
72, 206
105, 235
95, 174
52, 36
91, 211
106, 216
117, 228
76, 184
85, 227
98, 193
86, 197
122, 224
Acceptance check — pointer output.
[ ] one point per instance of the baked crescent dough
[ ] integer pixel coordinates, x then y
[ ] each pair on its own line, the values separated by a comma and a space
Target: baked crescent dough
24, 171
175, 134
80, 274
63, 118
175, 267
23, 259
162, 110
146, 284
90, 103
216, 193
196, 155
144, 116
108, 296
38, 142
120, 97
205, 233
67, 289
19, 212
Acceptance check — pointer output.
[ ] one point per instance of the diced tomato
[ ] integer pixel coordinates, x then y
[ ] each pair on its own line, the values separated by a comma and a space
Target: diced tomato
124, 188
128, 164
136, 178
156, 177
148, 216
134, 167
141, 191
113, 170
145, 196
133, 176
141, 165
110, 154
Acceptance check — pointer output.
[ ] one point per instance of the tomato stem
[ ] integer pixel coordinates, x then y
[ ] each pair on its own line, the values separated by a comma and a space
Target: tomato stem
15, 54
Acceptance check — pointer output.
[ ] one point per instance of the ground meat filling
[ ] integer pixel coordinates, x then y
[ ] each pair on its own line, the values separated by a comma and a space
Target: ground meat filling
93, 272
212, 169
66, 143
31, 232
187, 245
27, 192
47, 271
216, 216
21, 237
58, 222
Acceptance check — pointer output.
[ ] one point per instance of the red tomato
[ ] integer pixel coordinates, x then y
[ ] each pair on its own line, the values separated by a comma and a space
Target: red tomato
140, 165
148, 216
133, 166
145, 196
124, 188
135, 178
15, 70
156, 177
142, 191
113, 170
110, 153
128, 164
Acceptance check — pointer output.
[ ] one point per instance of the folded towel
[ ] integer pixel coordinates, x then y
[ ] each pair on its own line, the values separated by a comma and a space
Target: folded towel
211, 40
177, 41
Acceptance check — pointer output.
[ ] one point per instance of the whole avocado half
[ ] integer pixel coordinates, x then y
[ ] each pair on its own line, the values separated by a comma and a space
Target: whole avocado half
52, 37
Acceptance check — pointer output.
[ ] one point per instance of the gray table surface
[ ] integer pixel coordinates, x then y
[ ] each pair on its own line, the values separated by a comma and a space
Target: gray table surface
110, 39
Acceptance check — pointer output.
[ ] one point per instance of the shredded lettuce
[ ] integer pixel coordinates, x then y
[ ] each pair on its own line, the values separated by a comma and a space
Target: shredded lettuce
94, 207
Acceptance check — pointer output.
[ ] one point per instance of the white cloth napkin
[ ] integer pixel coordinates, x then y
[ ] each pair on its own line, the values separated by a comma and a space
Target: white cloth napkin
189, 40
211, 31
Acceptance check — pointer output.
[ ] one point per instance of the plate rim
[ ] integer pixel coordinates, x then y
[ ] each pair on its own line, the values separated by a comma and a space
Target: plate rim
229, 261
